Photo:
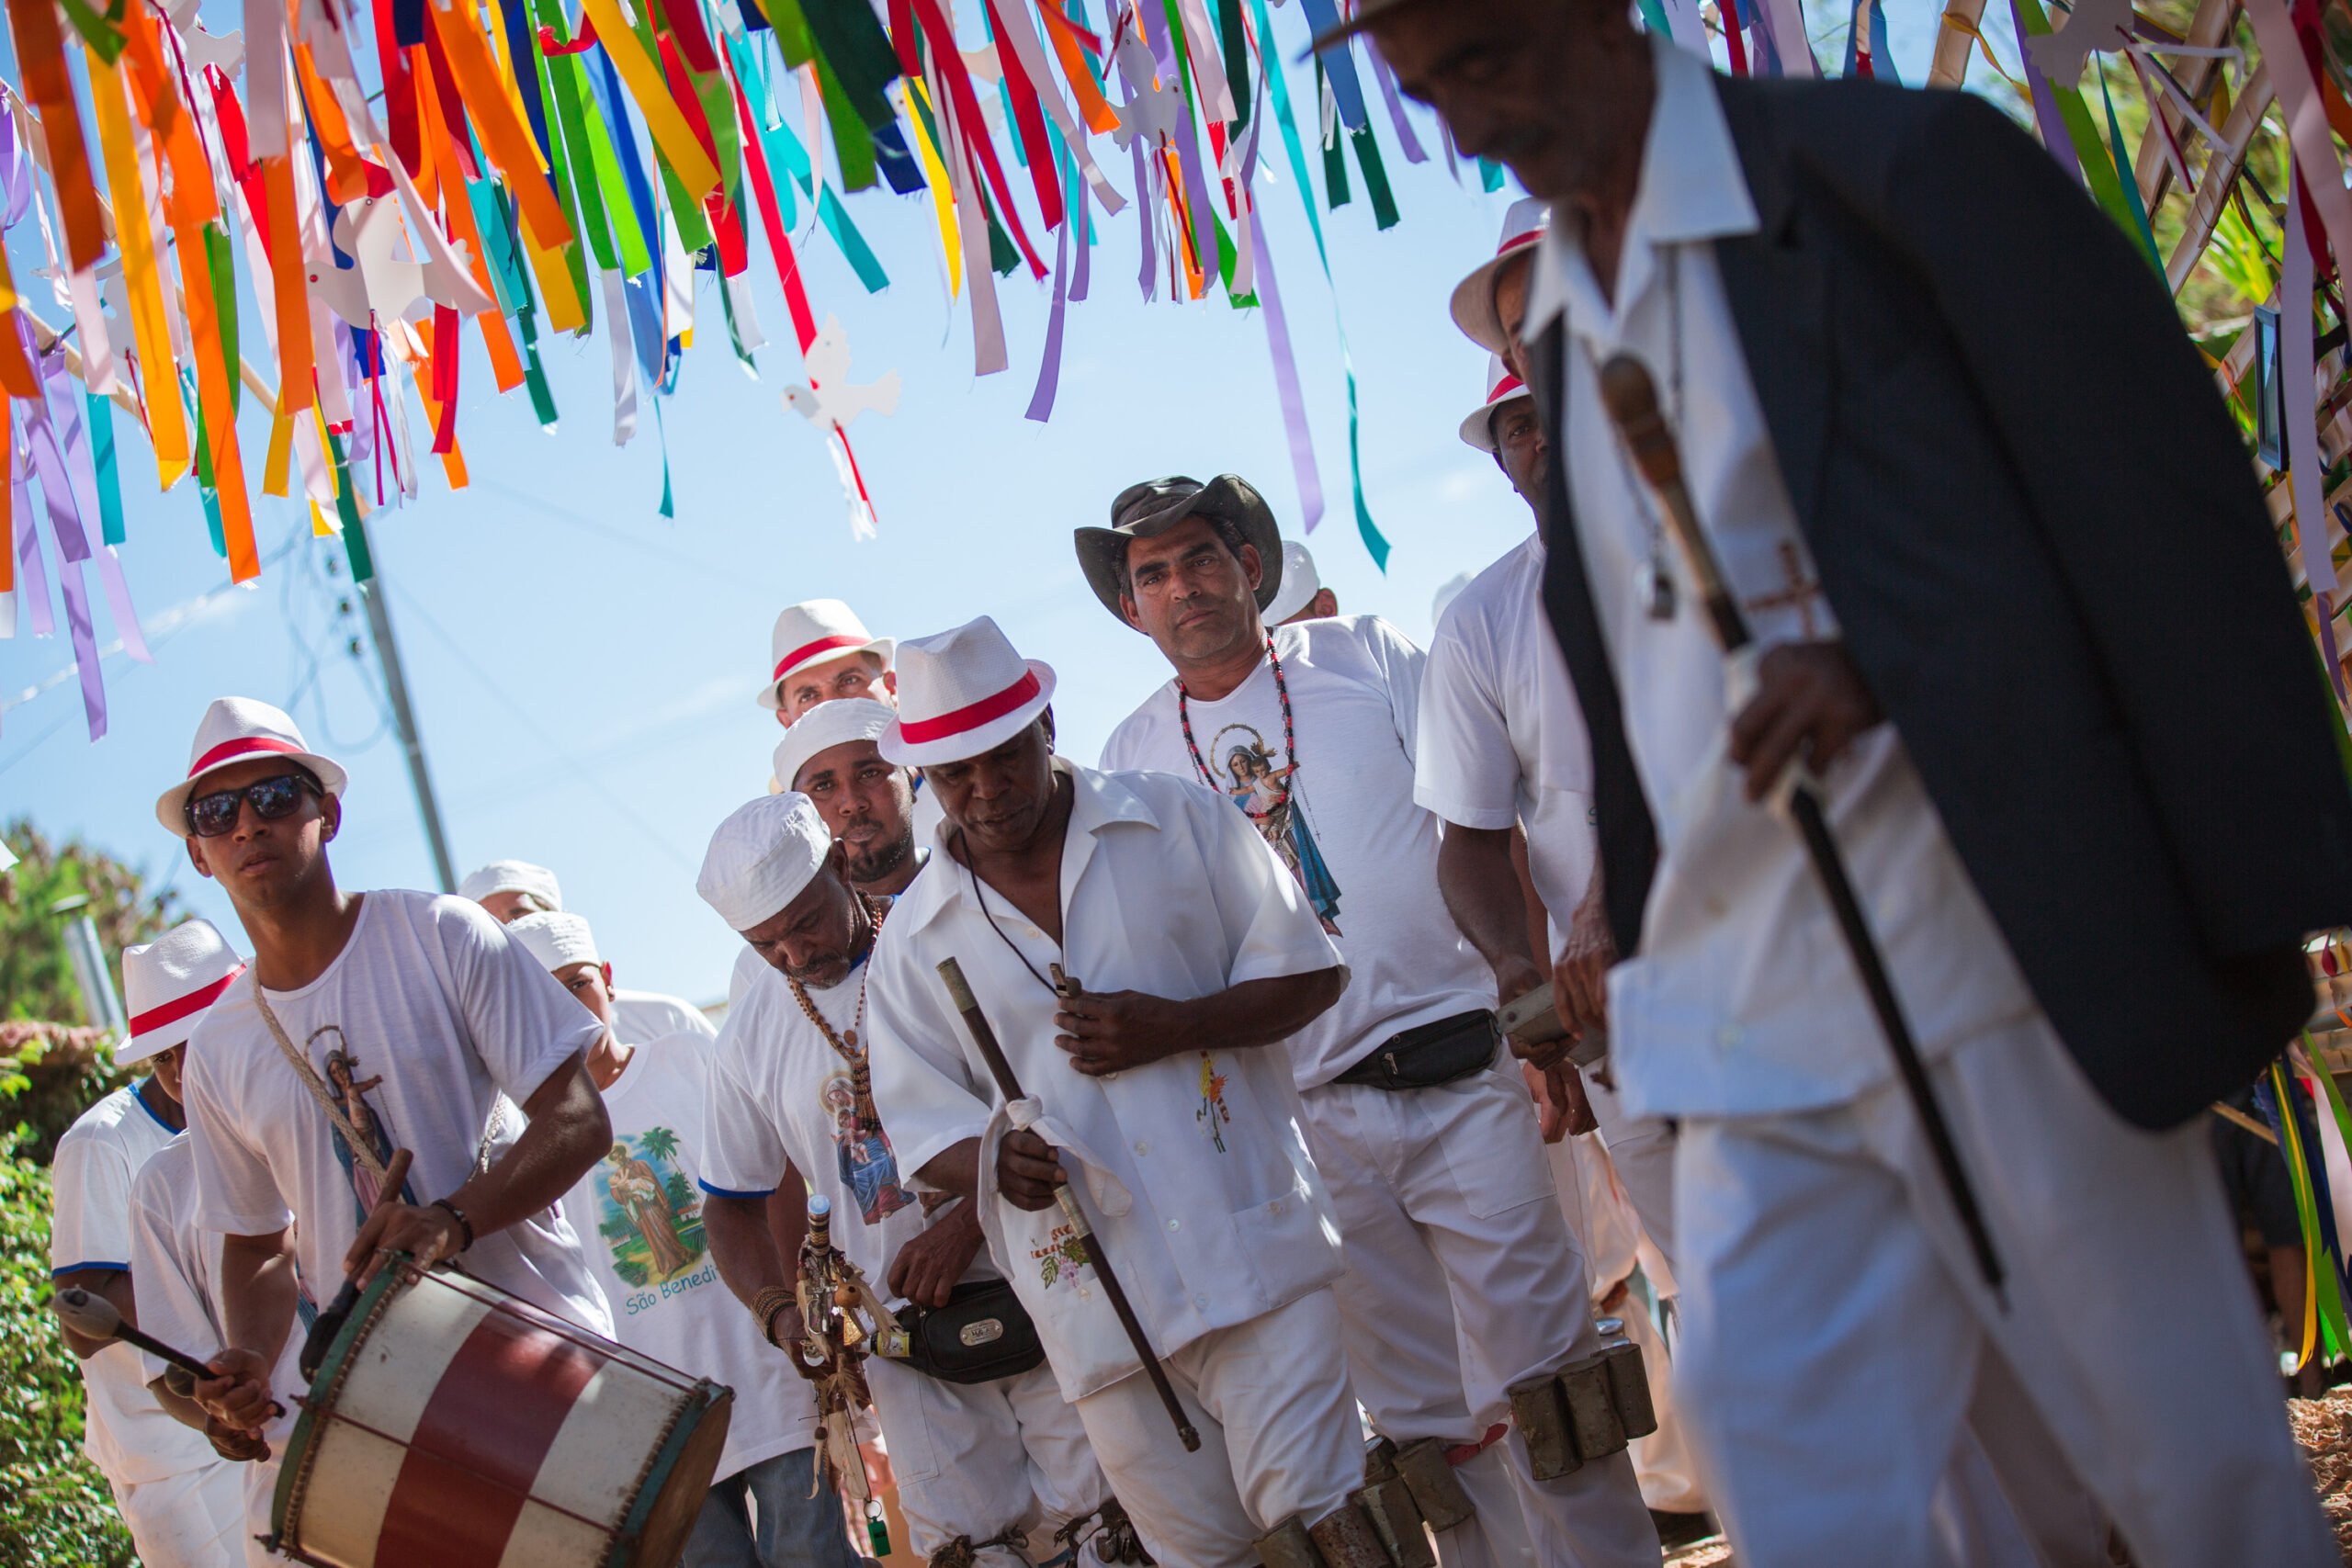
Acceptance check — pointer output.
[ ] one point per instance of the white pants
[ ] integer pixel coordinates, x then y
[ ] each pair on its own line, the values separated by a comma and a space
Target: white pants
1836, 1330
1446, 1192
1641, 1150
195, 1519
1278, 1430
973, 1459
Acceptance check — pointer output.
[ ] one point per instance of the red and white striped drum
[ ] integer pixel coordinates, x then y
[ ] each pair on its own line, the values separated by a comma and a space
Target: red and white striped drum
454, 1426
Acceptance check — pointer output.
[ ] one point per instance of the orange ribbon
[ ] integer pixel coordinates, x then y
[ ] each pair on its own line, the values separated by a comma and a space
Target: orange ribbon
40, 55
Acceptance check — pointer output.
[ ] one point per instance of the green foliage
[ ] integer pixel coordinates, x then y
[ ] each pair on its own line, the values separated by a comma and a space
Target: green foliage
36, 977
54, 1506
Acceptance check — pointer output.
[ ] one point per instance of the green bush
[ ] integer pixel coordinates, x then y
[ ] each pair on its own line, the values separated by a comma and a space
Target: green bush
54, 1505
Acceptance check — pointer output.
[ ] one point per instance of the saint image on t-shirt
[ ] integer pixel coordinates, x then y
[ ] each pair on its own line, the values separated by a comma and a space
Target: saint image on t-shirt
650, 1216
868, 1169
349, 1090
1269, 796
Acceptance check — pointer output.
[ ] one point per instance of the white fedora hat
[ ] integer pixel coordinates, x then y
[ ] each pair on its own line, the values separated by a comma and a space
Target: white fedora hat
1473, 297
963, 692
513, 876
1299, 584
815, 629
239, 730
169, 984
1502, 386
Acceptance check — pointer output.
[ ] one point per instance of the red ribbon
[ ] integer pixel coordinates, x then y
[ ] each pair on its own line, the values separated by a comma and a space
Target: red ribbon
243, 746
971, 715
822, 644
180, 1007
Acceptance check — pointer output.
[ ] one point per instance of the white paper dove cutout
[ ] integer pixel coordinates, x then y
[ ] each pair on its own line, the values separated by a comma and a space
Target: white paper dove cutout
225, 50
1153, 108
389, 286
2094, 24
831, 400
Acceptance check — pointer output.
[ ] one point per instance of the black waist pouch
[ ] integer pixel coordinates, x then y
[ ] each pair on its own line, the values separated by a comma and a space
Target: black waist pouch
982, 1334
1431, 1055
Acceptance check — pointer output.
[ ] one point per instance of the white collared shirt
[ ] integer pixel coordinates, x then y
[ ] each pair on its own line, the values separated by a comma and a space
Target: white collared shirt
1502, 737
1166, 889
1744, 998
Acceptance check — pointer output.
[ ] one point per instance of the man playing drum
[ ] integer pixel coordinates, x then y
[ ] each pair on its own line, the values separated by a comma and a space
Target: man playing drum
1000, 1465
1188, 949
369, 1022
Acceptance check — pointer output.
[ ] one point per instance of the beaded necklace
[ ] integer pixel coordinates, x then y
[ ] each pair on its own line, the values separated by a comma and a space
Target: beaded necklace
845, 1044
1290, 740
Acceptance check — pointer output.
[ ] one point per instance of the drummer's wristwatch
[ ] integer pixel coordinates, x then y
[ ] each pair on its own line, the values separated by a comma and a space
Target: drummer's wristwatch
465, 1225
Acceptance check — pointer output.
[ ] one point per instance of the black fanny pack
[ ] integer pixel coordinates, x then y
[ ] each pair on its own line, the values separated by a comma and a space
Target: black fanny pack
982, 1334
1431, 1055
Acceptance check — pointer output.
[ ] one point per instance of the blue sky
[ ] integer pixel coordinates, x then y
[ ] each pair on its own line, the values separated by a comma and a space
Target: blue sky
583, 667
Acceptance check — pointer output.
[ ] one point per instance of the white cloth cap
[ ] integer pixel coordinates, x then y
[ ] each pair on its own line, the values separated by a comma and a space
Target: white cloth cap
815, 629
1473, 297
238, 729
962, 693
824, 727
762, 857
1299, 584
557, 941
169, 984
1502, 386
513, 876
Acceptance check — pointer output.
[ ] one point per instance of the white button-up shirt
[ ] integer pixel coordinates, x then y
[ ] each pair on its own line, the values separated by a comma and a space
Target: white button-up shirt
1165, 889
1502, 739
1744, 998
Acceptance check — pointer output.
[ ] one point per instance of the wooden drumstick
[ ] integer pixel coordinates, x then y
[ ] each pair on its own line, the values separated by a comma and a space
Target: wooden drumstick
328, 1324
93, 1316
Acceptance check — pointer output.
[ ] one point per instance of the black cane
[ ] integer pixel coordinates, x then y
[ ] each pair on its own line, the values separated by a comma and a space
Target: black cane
329, 1324
960, 992
1631, 397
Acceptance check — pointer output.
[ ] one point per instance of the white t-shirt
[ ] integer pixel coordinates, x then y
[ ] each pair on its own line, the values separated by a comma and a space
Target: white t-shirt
127, 1436
650, 1015
1352, 833
1502, 740
640, 1211
426, 1014
779, 1093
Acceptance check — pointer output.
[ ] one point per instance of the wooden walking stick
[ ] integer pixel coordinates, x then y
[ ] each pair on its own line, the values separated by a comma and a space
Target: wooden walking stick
984, 1037
1631, 397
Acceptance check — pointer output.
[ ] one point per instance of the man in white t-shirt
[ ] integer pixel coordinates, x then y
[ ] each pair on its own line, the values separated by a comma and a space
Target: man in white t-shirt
511, 889
1186, 953
369, 1022
1001, 1465
1417, 1118
182, 1500
640, 1207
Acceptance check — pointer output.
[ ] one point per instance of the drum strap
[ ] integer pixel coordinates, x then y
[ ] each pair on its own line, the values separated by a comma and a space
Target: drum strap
362, 1149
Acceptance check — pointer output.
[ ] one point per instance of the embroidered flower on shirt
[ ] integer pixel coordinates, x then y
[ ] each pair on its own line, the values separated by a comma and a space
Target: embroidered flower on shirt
1212, 1113
1061, 1257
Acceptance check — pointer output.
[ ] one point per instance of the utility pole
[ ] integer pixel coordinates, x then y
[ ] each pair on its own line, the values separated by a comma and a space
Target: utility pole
388, 654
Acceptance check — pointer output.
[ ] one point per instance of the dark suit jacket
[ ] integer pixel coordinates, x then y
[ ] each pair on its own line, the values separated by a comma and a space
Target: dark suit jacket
2039, 532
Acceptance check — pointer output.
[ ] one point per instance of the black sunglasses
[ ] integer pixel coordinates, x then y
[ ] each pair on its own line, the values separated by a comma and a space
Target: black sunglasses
210, 816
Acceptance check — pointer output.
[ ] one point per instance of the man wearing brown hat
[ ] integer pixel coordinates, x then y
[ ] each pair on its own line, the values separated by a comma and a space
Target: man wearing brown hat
1417, 1118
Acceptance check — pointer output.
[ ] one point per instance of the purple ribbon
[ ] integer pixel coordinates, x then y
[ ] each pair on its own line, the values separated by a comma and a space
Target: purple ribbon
1077, 283
61, 501
1387, 80
1049, 368
2054, 135
1301, 445
32, 576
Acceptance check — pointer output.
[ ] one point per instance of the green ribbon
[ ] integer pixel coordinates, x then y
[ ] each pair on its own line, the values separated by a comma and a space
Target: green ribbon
102, 459
2127, 179
1372, 540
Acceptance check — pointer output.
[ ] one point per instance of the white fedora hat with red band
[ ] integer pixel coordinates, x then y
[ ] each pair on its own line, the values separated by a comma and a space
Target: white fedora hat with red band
239, 730
812, 631
1502, 386
169, 984
962, 693
1473, 297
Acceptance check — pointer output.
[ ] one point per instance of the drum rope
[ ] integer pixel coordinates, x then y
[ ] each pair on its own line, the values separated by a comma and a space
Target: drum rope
362, 1149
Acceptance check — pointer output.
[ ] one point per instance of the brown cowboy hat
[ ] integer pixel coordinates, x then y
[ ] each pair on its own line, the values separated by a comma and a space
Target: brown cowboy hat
1150, 509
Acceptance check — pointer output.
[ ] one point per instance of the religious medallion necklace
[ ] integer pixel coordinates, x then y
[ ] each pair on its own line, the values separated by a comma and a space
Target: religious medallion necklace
1290, 741
847, 1046
1655, 578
